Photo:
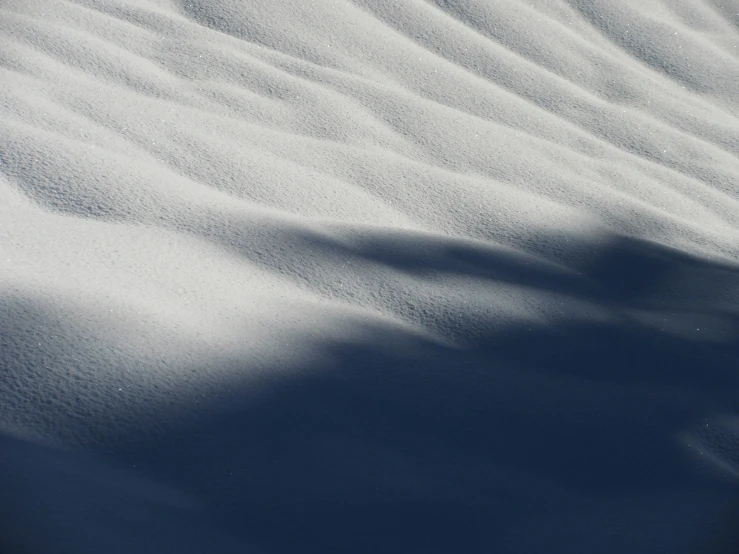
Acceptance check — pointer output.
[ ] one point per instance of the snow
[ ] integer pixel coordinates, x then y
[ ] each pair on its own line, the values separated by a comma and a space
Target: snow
368, 276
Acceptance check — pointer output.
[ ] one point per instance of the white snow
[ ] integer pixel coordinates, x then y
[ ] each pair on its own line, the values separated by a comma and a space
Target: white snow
366, 276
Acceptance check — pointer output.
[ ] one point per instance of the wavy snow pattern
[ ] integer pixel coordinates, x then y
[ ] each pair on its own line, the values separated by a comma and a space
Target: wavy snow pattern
370, 276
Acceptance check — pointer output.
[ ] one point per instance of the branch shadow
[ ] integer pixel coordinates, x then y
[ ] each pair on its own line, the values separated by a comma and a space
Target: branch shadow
395, 443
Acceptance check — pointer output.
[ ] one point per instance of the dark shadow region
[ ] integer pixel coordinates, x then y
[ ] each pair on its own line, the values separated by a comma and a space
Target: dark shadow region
550, 438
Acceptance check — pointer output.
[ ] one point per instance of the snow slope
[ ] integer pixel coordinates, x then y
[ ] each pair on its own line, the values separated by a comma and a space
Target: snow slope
367, 276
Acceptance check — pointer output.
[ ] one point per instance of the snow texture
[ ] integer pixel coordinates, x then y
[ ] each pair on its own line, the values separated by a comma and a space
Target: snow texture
369, 276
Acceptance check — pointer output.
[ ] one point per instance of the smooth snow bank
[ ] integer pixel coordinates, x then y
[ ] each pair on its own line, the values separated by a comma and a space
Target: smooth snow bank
376, 276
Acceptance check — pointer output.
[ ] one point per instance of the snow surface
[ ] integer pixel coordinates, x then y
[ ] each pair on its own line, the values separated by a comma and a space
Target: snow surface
369, 276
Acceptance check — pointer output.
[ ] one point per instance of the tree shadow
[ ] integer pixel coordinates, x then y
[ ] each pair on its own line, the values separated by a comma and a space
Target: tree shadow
552, 438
